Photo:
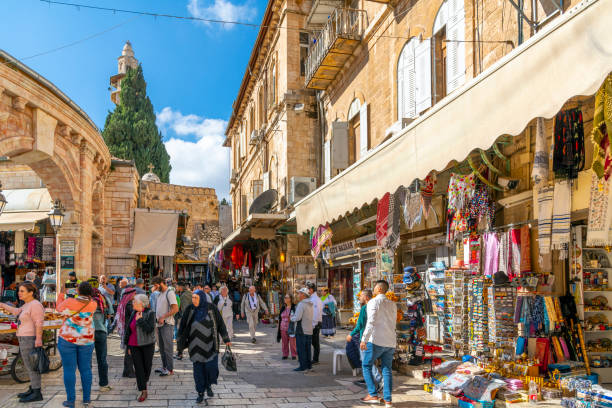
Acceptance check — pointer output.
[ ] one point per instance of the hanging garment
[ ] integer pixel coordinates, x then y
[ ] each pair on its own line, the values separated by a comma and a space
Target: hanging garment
515, 251
412, 209
481, 207
491, 257
599, 226
395, 210
382, 220
38, 248
525, 249
602, 123
504, 254
427, 190
237, 256
545, 210
47, 249
2, 255
19, 242
31, 248
540, 157
475, 246
561, 219
568, 153
461, 189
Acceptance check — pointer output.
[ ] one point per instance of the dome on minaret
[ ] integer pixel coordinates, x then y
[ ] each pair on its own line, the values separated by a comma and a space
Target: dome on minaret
127, 49
150, 176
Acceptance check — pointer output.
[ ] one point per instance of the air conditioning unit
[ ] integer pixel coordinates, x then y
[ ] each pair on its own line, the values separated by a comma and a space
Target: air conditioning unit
300, 187
256, 136
397, 126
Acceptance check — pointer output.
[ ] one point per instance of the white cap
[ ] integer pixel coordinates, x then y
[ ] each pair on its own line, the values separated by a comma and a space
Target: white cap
304, 291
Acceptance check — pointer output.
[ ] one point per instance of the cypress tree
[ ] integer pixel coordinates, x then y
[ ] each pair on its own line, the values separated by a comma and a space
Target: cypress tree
130, 131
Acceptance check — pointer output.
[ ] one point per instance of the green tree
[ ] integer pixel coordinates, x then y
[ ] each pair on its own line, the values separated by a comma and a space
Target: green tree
130, 131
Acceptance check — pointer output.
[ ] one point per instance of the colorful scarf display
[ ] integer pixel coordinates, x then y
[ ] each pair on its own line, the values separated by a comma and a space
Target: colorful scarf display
568, 154
491, 258
382, 220
561, 219
540, 158
602, 124
599, 231
394, 221
545, 211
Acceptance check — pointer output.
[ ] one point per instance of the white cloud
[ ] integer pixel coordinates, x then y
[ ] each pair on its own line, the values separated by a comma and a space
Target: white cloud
222, 10
201, 160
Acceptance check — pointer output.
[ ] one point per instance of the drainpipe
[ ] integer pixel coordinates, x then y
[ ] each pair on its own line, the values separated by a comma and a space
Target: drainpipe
321, 114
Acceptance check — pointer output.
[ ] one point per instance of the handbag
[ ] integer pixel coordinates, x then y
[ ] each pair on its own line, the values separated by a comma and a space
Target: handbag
39, 360
228, 360
291, 329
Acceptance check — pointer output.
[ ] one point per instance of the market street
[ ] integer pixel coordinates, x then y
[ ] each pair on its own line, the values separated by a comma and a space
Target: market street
262, 380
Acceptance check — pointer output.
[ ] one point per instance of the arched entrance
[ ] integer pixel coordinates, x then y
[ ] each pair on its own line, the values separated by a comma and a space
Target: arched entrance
42, 128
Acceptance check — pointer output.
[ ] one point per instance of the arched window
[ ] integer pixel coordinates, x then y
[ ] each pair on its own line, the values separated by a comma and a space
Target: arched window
354, 108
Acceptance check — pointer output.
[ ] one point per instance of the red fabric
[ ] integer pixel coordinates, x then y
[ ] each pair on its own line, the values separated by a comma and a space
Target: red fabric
525, 249
543, 353
237, 256
382, 220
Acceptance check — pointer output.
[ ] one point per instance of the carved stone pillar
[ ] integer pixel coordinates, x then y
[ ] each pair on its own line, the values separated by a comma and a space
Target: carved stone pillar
83, 264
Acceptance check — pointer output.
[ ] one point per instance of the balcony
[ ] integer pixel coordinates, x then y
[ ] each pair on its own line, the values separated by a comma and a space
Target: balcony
333, 46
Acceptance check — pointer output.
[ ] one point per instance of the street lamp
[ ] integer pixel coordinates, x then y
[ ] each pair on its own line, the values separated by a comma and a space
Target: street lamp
2, 200
56, 218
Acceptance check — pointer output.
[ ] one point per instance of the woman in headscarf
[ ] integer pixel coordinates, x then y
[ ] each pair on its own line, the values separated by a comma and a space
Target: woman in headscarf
328, 326
199, 332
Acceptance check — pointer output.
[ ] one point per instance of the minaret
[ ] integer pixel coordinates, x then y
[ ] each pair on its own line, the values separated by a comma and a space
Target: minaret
126, 60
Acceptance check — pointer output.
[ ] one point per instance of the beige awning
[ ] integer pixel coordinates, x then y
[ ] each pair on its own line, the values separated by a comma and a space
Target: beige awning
21, 220
571, 56
154, 233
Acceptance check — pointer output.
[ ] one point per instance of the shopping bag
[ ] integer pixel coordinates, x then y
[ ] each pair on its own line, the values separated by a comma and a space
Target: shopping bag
228, 360
39, 360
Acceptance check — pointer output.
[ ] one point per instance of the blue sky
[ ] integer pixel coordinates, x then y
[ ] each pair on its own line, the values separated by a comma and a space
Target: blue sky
193, 69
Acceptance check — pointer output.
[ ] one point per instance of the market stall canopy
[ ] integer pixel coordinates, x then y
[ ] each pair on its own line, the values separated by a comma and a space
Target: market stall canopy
256, 226
24, 208
571, 56
154, 232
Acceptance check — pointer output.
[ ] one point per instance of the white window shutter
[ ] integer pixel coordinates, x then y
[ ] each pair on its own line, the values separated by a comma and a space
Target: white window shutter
411, 83
363, 130
327, 160
266, 181
455, 49
422, 58
339, 146
401, 74
406, 106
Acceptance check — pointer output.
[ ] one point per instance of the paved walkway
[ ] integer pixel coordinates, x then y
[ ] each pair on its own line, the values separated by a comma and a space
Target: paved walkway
262, 380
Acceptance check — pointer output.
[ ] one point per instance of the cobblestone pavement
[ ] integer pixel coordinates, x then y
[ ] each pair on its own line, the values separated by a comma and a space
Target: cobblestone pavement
262, 380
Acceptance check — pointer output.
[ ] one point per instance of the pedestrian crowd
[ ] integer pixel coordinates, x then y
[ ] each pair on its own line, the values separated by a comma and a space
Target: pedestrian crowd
198, 321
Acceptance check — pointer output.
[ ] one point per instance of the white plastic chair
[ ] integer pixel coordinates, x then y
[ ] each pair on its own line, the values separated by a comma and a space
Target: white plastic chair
337, 359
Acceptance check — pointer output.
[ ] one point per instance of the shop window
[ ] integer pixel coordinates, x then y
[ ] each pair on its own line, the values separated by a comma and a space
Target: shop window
340, 283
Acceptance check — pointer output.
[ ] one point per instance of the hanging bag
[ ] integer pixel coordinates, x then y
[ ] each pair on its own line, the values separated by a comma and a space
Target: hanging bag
39, 360
427, 303
228, 360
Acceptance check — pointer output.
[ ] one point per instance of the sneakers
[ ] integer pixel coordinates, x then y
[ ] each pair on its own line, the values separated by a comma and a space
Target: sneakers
388, 404
368, 399
165, 373
253, 340
68, 404
105, 388
299, 369
360, 383
159, 370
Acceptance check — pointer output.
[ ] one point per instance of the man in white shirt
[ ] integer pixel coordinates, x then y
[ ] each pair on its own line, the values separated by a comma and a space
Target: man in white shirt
378, 341
224, 304
317, 318
250, 306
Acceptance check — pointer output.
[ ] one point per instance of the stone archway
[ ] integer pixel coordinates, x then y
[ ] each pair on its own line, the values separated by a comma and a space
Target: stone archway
45, 130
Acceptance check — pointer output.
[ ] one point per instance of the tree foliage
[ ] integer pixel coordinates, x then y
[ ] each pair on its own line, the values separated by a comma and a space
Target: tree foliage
130, 131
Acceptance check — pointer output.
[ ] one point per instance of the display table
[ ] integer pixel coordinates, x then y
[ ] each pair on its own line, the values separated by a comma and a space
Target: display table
47, 325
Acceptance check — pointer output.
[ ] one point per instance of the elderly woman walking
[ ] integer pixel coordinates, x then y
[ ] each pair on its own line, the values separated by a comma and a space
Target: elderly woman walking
199, 331
328, 327
30, 317
139, 336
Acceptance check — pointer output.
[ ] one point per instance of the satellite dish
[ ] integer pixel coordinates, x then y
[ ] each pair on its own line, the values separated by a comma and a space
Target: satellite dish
263, 203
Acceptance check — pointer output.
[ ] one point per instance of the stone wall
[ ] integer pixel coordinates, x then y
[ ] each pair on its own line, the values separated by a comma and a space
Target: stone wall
17, 176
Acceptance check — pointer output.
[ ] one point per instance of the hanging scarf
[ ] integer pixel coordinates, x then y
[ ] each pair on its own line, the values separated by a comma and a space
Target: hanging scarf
412, 210
474, 245
545, 210
201, 311
491, 258
253, 301
427, 190
99, 299
382, 220
31, 248
568, 153
540, 158
481, 207
504, 254
395, 209
126, 297
599, 232
561, 219
525, 250
602, 126
515, 251
460, 191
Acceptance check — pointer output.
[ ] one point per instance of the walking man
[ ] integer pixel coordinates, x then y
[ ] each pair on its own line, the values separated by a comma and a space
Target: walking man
166, 308
224, 304
378, 341
316, 321
251, 305
303, 317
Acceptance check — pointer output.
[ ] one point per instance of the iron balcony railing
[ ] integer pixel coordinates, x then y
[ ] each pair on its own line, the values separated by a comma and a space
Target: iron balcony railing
343, 23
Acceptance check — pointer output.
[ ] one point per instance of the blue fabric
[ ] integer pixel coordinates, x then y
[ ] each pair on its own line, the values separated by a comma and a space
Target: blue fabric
74, 356
303, 344
371, 354
352, 351
375, 372
206, 374
100, 347
201, 312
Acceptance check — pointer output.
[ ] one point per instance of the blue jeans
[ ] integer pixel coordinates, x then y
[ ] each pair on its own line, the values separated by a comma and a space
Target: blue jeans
372, 354
303, 344
74, 356
100, 346
375, 372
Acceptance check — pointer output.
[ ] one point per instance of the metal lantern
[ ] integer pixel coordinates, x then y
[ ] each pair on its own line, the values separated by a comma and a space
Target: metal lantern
56, 215
2, 200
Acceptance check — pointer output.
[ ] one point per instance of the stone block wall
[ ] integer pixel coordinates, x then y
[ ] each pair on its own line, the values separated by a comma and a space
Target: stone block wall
17, 176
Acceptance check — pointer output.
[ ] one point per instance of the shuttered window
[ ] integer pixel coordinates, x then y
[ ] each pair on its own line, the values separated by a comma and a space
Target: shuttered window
364, 142
406, 102
327, 160
455, 36
422, 63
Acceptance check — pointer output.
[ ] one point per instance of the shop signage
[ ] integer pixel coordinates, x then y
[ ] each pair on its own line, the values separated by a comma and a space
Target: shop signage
67, 247
356, 290
335, 249
67, 262
301, 259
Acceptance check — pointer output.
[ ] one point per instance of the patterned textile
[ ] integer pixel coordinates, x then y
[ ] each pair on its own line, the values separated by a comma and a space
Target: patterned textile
491, 253
320, 238
515, 251
412, 209
525, 249
382, 220
545, 209
461, 189
481, 207
427, 190
568, 154
602, 123
561, 219
475, 252
201, 341
394, 220
599, 231
78, 326
504, 253
540, 158
47, 249
31, 248
38, 248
